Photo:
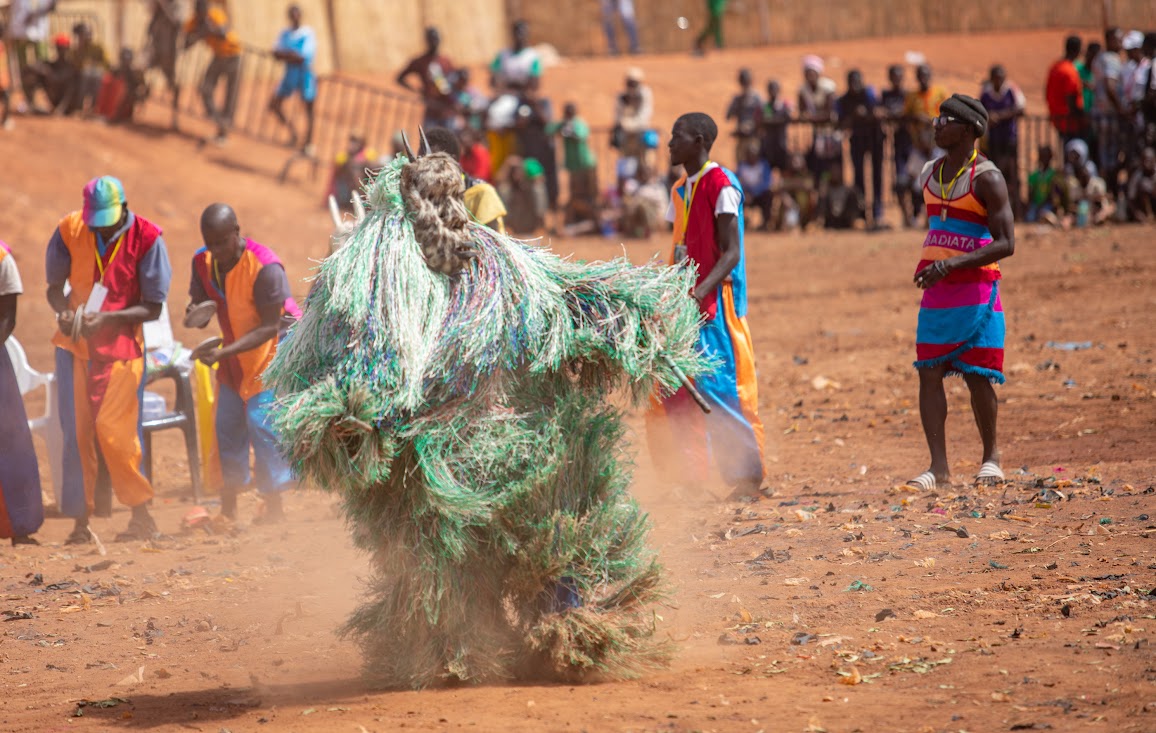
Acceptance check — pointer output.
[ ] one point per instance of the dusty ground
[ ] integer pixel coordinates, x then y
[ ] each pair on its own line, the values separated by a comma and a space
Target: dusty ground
1021, 608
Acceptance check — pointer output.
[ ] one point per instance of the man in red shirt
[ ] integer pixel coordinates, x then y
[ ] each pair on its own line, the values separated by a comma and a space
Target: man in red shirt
434, 71
1065, 94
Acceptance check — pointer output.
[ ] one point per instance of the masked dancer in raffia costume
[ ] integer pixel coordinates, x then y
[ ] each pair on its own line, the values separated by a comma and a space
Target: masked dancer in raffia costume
451, 384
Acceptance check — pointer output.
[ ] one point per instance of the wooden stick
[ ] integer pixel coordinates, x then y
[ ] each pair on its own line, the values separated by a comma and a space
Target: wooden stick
694, 393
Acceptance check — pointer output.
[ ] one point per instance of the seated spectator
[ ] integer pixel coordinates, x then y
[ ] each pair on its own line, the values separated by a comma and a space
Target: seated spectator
89, 64
644, 205
797, 196
350, 172
522, 186
1076, 157
1042, 187
53, 77
121, 91
1087, 202
1142, 188
580, 164
475, 155
842, 205
754, 172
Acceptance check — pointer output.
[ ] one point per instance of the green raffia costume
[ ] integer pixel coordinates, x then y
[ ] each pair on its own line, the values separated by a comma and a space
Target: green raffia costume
464, 421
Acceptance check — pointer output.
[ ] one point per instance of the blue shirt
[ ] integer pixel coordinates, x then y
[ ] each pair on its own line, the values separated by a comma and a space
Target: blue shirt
302, 42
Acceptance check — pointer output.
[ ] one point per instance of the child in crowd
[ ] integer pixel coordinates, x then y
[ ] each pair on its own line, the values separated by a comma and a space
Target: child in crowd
1042, 187
754, 172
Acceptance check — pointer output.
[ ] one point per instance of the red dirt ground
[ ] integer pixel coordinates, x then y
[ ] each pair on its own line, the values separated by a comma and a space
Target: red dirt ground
1039, 618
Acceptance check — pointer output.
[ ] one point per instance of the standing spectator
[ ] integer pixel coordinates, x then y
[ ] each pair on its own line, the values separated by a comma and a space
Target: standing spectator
1147, 92
580, 164
745, 109
1004, 103
21, 505
922, 106
1084, 69
1133, 87
27, 37
435, 73
859, 113
522, 186
514, 72
533, 143
1142, 188
89, 65
296, 47
1043, 185
632, 112
754, 173
1109, 110
773, 123
817, 106
161, 53
714, 11
475, 158
624, 9
469, 102
894, 101
1065, 94
211, 24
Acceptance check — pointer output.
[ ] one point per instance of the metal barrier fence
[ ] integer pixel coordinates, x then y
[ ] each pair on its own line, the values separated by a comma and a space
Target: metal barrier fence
342, 105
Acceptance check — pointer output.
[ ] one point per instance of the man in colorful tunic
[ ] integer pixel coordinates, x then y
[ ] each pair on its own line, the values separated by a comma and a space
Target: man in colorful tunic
117, 268
706, 209
247, 283
961, 321
21, 508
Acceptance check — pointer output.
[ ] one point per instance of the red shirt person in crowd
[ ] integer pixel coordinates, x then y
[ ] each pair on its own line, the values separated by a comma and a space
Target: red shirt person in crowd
1065, 93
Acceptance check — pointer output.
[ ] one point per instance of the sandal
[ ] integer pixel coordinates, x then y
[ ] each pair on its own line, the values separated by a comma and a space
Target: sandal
924, 481
989, 474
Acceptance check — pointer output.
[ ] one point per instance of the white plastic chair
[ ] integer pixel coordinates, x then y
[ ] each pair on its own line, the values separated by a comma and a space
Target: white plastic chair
46, 426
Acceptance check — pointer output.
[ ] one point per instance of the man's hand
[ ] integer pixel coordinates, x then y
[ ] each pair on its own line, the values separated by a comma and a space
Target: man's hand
64, 322
93, 322
207, 356
932, 274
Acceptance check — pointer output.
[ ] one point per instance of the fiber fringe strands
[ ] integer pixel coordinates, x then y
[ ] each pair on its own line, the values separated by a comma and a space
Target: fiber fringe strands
451, 384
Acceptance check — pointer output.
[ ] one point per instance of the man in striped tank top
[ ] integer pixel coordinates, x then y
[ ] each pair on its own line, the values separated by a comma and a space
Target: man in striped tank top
961, 320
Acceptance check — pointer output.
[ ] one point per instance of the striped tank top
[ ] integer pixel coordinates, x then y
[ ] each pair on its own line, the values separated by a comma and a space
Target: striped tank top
957, 219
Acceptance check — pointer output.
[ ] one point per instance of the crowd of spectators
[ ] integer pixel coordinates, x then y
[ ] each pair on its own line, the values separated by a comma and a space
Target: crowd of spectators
789, 154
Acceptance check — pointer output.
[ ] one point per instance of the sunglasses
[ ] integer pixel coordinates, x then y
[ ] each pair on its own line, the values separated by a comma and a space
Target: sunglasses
945, 120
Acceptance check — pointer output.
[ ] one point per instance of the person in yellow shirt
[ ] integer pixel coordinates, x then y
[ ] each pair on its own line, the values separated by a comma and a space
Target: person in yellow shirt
211, 25
922, 107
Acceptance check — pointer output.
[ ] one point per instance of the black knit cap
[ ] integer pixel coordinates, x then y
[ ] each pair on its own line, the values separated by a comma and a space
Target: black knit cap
967, 109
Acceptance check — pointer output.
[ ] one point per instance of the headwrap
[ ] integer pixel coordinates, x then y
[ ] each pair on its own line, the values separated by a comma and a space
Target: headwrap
967, 109
1133, 40
813, 63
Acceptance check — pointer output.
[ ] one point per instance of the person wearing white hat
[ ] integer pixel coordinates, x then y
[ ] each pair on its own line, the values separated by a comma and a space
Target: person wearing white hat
632, 117
817, 106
